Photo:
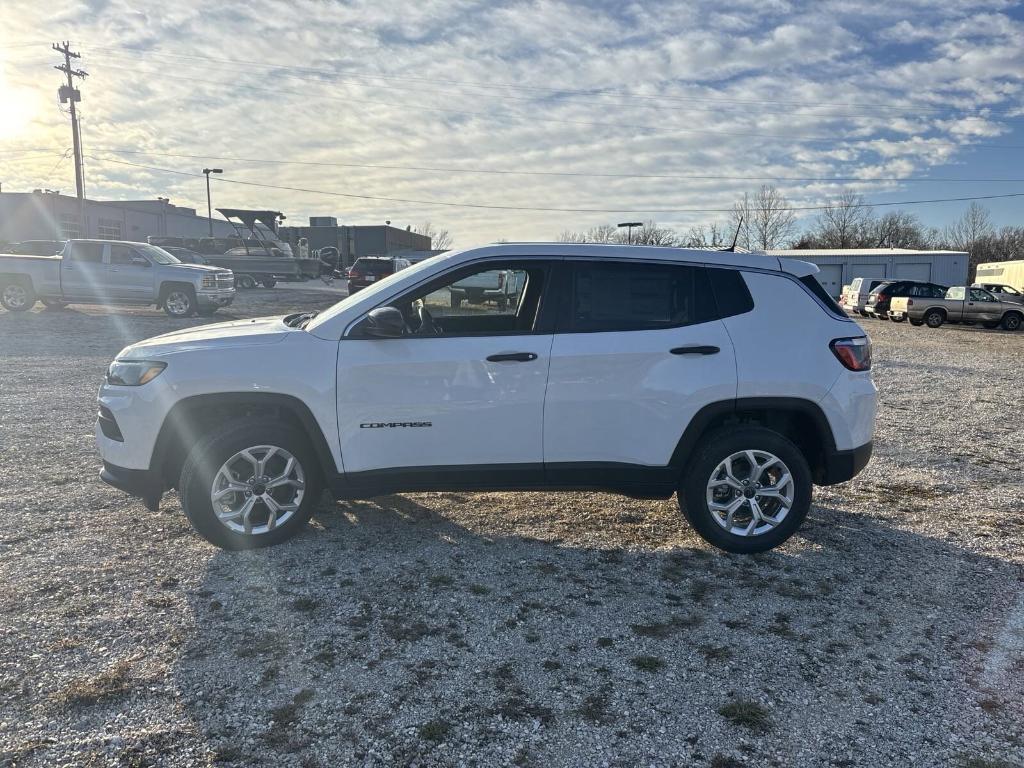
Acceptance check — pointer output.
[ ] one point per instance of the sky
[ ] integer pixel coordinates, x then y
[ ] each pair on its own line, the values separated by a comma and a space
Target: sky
662, 110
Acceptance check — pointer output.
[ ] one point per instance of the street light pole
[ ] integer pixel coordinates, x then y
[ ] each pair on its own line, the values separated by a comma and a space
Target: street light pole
209, 206
629, 229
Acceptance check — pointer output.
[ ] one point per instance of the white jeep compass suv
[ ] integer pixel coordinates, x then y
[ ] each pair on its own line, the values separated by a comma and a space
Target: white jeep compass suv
730, 378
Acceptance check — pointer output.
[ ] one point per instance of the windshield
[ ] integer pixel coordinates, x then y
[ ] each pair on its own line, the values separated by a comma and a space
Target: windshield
159, 255
377, 288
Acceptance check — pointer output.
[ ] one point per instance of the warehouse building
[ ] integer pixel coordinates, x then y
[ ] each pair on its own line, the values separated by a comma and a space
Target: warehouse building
840, 265
45, 215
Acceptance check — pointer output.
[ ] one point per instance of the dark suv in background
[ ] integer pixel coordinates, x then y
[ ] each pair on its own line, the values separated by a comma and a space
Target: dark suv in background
372, 269
879, 299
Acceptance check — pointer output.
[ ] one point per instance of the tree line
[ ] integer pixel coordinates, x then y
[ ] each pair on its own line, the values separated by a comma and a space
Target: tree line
766, 220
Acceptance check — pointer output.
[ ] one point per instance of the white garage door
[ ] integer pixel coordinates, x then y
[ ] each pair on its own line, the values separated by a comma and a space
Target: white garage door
865, 270
914, 271
831, 278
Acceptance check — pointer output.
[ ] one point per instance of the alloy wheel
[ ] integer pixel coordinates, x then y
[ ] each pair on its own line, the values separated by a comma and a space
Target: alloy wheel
178, 303
750, 492
15, 296
258, 489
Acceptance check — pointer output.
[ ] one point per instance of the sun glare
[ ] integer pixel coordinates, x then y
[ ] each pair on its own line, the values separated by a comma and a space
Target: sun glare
17, 107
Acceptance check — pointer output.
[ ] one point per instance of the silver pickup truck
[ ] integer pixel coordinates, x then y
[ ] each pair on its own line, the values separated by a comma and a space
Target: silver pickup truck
961, 304
114, 272
502, 286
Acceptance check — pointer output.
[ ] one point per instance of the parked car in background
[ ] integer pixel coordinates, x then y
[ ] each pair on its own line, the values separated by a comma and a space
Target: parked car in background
368, 270
1002, 292
855, 295
35, 247
114, 272
962, 304
638, 370
500, 286
878, 301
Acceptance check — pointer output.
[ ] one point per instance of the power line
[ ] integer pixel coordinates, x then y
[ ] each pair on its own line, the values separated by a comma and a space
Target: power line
648, 128
544, 89
573, 174
451, 204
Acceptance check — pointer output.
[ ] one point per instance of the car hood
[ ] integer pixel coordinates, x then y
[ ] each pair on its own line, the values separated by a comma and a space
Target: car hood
197, 268
237, 333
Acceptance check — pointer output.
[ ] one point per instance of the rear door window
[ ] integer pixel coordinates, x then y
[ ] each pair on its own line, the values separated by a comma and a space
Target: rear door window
618, 296
91, 253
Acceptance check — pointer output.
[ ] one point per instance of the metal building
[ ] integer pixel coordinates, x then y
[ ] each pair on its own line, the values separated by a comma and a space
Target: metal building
840, 265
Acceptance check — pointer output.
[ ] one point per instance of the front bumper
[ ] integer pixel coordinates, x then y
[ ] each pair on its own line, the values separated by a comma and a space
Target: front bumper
840, 466
220, 297
141, 483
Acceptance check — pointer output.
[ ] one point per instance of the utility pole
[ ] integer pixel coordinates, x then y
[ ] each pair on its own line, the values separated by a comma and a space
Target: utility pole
71, 95
209, 205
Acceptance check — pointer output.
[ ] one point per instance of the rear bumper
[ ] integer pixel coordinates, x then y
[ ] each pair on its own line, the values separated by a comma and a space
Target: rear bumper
141, 483
840, 466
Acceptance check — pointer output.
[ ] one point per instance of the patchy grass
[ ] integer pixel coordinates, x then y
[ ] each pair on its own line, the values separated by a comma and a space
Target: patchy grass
746, 713
435, 730
715, 652
479, 589
605, 642
441, 580
648, 663
285, 716
108, 684
594, 708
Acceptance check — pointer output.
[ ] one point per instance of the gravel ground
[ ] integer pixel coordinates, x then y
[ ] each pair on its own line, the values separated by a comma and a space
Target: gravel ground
525, 629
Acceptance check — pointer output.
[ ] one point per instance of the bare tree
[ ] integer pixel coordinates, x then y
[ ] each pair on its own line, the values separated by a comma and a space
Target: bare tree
898, 229
440, 239
711, 236
765, 220
970, 232
647, 234
845, 223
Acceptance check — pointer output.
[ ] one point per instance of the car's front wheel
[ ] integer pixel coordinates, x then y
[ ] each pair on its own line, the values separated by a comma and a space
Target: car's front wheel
250, 486
1011, 321
180, 302
747, 490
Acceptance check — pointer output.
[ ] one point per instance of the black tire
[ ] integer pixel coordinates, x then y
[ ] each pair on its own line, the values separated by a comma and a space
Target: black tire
917, 322
17, 296
204, 462
245, 281
716, 448
1012, 321
934, 318
268, 282
179, 301
54, 304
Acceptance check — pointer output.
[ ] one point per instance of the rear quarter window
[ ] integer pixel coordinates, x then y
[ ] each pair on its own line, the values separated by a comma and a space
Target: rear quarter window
811, 283
732, 295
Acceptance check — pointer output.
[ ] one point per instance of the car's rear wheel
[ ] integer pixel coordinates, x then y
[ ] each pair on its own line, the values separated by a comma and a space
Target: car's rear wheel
245, 281
747, 490
1011, 321
17, 297
934, 319
269, 282
250, 486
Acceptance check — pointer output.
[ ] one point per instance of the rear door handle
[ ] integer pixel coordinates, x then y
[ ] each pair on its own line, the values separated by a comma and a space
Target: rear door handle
516, 357
695, 350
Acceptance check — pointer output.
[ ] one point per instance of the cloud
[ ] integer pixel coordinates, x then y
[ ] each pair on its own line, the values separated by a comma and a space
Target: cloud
694, 87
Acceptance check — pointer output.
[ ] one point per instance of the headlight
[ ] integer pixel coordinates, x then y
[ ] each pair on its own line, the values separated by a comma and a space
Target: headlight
133, 373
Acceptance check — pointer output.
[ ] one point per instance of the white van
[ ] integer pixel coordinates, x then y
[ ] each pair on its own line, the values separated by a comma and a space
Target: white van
855, 295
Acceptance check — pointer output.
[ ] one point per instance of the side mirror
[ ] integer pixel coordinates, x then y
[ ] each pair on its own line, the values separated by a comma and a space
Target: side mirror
383, 323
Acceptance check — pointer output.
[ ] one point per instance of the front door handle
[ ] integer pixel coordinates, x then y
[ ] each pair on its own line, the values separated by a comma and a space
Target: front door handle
516, 357
696, 350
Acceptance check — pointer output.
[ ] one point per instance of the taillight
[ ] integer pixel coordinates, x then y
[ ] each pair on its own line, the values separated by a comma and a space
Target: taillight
910, 302
853, 353
353, 275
